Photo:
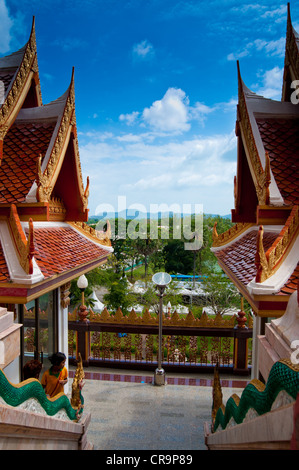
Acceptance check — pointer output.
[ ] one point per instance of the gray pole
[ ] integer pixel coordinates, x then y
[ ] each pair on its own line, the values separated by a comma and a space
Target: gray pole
159, 378
160, 330
161, 280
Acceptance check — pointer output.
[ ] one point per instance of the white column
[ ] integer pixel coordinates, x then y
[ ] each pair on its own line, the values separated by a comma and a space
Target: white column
63, 331
256, 331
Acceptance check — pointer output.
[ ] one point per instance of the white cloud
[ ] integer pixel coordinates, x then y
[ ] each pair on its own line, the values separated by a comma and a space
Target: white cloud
278, 14
129, 118
271, 84
170, 114
296, 27
156, 162
143, 50
262, 12
197, 169
247, 8
6, 25
271, 48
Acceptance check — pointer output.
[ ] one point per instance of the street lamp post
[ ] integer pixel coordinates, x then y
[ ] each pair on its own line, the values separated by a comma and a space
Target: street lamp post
83, 333
82, 283
161, 280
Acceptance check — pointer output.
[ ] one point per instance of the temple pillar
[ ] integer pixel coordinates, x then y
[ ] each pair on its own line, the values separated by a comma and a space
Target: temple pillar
9, 339
256, 332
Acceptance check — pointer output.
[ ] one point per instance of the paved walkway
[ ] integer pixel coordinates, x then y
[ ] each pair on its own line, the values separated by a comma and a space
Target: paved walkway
128, 412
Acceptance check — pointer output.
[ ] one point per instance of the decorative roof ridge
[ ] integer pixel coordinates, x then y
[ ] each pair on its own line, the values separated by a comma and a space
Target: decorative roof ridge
267, 106
13, 60
18, 87
290, 27
49, 111
48, 167
62, 110
18, 250
292, 45
24, 247
262, 176
231, 235
65, 119
268, 263
97, 237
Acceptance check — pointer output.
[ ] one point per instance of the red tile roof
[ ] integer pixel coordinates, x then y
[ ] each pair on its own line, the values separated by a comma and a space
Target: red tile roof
23, 144
60, 249
239, 257
281, 139
4, 274
292, 283
6, 78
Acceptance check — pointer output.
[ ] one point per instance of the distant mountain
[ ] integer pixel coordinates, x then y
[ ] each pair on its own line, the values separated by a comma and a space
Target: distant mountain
130, 214
227, 216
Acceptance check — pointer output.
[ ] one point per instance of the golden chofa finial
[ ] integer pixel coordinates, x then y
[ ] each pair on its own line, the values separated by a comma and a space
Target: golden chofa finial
76, 400
215, 233
217, 394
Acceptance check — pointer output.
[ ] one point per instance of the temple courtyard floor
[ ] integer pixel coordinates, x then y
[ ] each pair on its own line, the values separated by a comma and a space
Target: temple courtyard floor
129, 412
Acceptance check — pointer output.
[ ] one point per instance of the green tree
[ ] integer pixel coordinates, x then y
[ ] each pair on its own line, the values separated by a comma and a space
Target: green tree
118, 295
146, 247
221, 293
177, 259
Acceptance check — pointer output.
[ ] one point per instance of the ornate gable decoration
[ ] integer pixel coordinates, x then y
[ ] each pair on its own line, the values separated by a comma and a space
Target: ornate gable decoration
45, 179
267, 263
292, 47
103, 238
229, 235
27, 68
261, 176
24, 248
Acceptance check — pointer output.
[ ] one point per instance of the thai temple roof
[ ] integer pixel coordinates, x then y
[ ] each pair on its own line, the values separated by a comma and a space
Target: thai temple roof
261, 252
280, 138
44, 238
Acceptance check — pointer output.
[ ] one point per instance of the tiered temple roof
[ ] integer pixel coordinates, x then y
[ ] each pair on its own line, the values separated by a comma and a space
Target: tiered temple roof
44, 239
261, 253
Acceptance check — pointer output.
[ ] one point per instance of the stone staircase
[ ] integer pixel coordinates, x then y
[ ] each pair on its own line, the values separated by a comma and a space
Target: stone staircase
24, 430
265, 417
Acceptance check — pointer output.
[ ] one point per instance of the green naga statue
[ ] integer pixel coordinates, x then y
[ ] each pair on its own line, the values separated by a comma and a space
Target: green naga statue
31, 390
283, 377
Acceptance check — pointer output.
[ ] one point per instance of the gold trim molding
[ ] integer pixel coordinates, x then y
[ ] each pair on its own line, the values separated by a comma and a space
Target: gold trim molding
217, 321
292, 51
27, 67
262, 177
230, 234
24, 247
103, 238
46, 179
267, 263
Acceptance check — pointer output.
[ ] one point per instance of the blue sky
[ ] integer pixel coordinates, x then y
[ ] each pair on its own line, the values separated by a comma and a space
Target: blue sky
156, 88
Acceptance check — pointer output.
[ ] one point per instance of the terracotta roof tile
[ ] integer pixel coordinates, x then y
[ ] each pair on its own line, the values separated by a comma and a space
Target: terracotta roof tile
59, 249
6, 78
4, 274
239, 257
292, 283
281, 139
23, 144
